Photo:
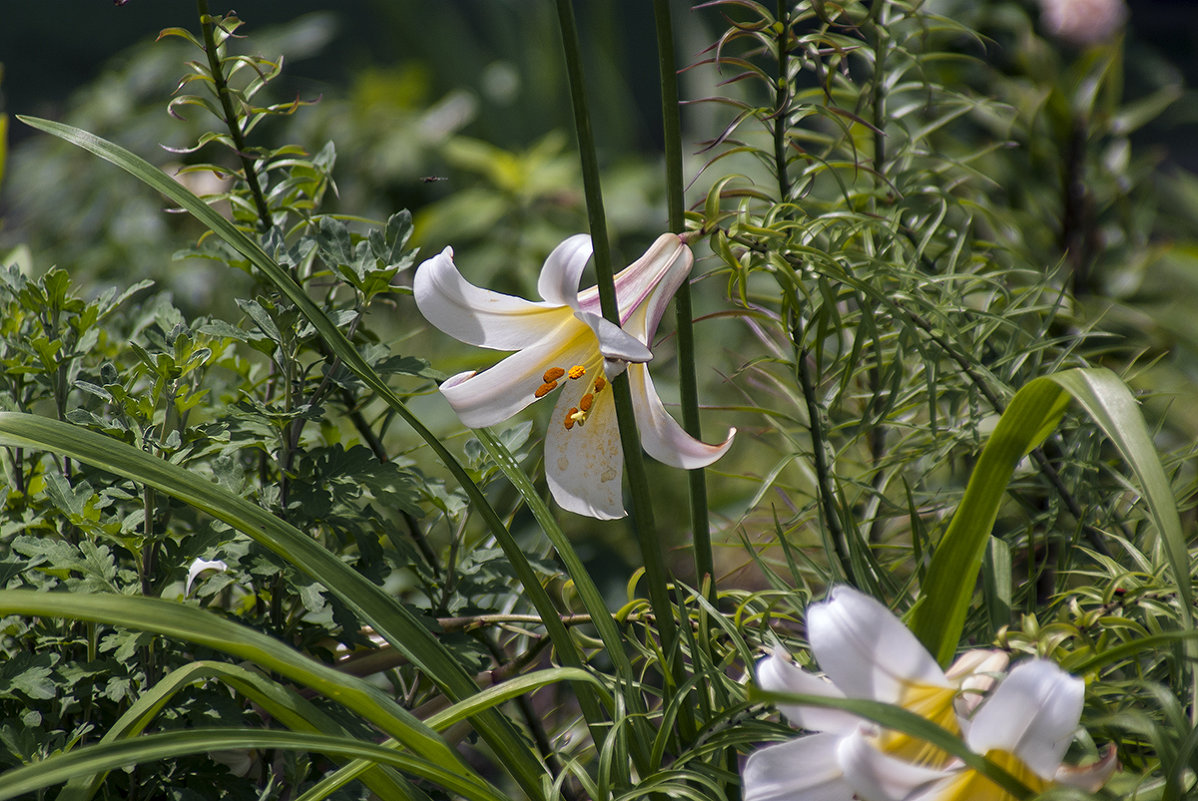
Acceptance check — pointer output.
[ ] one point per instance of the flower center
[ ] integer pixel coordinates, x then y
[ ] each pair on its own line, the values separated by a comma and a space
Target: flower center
931, 703
577, 415
969, 785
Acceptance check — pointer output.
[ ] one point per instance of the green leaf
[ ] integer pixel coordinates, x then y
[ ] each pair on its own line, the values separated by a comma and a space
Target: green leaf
191, 624
392, 620
1035, 410
110, 756
283, 705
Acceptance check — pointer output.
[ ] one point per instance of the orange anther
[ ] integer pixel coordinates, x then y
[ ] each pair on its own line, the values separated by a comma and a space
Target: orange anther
553, 374
577, 371
544, 389
569, 421
600, 383
585, 402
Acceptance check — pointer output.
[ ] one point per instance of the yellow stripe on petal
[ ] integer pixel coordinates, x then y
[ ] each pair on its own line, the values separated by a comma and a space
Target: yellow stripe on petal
969, 785
932, 703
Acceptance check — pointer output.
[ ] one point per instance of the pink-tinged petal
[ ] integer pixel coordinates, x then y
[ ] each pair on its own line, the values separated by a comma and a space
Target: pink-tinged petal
661, 436
642, 320
492, 396
614, 343
584, 464
479, 316
636, 282
803, 769
1033, 714
866, 650
976, 673
1089, 777
558, 283
778, 674
877, 776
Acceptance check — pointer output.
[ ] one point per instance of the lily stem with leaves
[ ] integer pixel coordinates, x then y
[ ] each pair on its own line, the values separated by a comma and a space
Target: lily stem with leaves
224, 94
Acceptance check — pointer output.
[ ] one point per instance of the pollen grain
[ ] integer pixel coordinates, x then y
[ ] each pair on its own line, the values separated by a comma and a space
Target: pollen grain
576, 372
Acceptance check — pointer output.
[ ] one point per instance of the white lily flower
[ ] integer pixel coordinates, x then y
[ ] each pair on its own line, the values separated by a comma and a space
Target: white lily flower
564, 341
865, 652
1025, 726
198, 566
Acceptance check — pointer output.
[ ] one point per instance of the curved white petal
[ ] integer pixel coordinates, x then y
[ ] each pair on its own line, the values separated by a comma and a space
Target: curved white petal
479, 316
198, 566
876, 776
778, 674
584, 464
492, 396
636, 282
1032, 714
866, 650
803, 769
558, 282
614, 343
661, 436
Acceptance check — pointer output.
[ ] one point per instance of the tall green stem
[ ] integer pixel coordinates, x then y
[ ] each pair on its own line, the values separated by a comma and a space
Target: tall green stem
656, 574
208, 27
687, 383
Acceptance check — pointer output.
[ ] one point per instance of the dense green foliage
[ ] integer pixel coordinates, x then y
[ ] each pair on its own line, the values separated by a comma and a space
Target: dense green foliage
934, 275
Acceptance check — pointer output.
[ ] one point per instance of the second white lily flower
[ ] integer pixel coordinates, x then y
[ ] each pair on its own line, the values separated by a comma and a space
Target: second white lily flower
565, 344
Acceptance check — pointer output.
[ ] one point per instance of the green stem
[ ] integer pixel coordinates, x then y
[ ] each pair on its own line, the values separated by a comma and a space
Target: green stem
684, 315
656, 573
207, 26
781, 96
823, 474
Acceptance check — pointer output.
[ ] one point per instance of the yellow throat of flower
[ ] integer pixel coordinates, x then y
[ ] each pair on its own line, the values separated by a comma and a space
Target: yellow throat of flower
969, 785
932, 703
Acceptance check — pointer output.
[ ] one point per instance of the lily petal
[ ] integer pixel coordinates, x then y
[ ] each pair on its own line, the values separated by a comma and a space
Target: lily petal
643, 319
558, 283
492, 396
877, 776
198, 566
778, 674
479, 316
636, 282
584, 464
803, 769
976, 672
661, 436
865, 650
614, 343
1033, 714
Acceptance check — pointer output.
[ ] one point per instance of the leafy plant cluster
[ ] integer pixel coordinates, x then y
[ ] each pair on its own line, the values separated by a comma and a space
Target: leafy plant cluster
233, 554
